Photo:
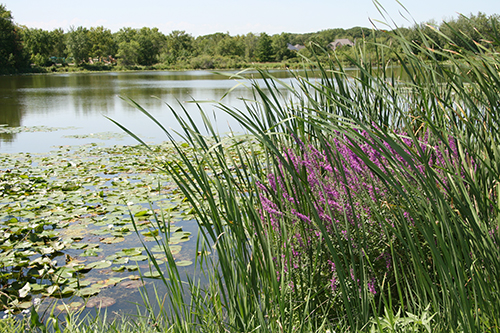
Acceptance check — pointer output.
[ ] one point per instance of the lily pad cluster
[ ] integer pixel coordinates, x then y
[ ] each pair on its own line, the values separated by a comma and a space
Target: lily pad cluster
100, 136
69, 212
4, 129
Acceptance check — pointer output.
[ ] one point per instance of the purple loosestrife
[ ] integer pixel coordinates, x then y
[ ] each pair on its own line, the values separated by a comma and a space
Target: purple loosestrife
339, 191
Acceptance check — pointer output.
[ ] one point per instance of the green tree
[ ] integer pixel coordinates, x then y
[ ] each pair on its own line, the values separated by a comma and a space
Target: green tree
207, 44
280, 47
264, 50
128, 53
151, 42
78, 44
179, 46
250, 41
231, 46
125, 35
59, 40
102, 43
11, 53
128, 48
38, 44
465, 32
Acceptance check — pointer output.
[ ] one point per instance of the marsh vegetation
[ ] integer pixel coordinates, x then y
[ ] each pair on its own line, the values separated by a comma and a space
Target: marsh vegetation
350, 203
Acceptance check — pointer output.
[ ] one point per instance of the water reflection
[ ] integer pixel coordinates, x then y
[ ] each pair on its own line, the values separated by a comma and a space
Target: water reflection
81, 100
11, 107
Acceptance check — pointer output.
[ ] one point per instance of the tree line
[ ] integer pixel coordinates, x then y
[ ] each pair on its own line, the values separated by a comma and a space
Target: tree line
28, 49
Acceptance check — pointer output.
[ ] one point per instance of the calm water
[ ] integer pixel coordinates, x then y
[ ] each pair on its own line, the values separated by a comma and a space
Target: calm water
77, 103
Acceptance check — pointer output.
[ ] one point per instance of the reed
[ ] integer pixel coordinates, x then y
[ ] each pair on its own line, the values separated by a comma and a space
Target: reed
365, 203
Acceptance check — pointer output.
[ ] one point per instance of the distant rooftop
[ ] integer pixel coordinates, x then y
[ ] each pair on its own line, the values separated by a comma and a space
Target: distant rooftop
296, 47
340, 42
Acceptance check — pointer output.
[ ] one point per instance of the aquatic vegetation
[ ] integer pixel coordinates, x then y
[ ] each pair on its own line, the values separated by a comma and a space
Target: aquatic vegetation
69, 212
373, 203
352, 203
359, 203
5, 129
100, 136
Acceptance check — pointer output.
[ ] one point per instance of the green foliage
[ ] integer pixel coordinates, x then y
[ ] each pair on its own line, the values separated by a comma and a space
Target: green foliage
11, 54
393, 323
280, 47
149, 48
139, 46
151, 42
207, 44
216, 62
231, 46
72, 323
102, 42
38, 44
264, 49
43, 47
436, 222
474, 32
179, 46
128, 53
78, 44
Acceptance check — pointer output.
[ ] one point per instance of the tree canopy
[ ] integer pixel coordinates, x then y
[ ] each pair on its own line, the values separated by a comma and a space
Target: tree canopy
11, 54
20, 46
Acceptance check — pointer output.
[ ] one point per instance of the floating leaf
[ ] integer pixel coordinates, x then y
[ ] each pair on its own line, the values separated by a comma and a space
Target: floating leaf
152, 275
100, 302
71, 307
51, 290
109, 282
78, 246
67, 291
118, 269
91, 253
131, 268
23, 292
99, 264
112, 240
183, 263
157, 248
139, 258
24, 305
120, 261
143, 213
89, 291
132, 284
151, 233
129, 252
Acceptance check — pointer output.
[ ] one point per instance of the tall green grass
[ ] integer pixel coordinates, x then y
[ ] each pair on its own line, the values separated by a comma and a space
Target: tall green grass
426, 153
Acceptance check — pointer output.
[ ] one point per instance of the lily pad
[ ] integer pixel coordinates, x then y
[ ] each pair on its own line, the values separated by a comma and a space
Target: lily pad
120, 261
112, 240
139, 258
99, 264
129, 252
108, 282
70, 307
132, 284
56, 209
152, 274
184, 263
100, 302
89, 291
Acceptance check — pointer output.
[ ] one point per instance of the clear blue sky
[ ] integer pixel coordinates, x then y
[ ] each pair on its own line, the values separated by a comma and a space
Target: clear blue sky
201, 17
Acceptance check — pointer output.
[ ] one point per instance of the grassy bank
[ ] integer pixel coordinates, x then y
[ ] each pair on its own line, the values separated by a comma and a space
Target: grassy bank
361, 203
199, 63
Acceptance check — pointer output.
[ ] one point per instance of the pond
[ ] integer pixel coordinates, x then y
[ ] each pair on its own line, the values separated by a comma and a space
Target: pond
71, 182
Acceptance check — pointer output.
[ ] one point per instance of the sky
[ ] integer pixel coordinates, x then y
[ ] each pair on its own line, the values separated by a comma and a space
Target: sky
202, 17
